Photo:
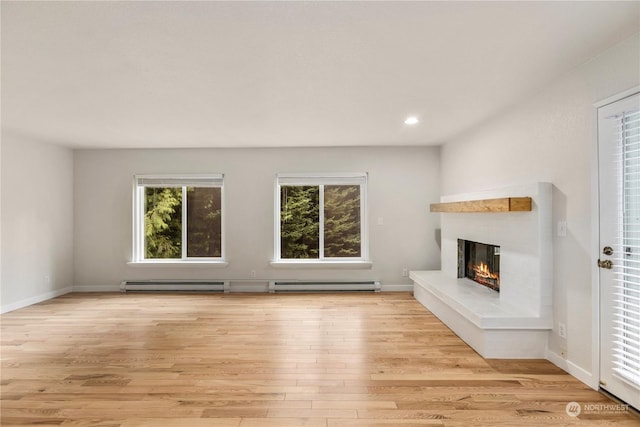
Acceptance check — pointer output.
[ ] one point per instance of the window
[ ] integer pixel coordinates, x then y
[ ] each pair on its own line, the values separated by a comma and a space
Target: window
321, 217
178, 218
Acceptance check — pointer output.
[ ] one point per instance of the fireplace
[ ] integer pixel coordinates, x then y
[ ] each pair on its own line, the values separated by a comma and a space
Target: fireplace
479, 262
516, 322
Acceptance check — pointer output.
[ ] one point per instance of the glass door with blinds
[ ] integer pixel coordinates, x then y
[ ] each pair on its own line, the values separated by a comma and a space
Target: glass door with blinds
619, 262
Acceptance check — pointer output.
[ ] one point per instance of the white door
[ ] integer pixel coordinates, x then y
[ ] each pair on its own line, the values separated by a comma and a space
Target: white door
619, 199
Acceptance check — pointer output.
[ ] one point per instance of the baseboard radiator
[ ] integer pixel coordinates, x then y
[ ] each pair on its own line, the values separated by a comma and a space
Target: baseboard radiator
315, 286
174, 286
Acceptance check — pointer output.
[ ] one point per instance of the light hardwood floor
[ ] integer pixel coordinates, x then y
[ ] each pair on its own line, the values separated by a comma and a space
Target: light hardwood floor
330, 360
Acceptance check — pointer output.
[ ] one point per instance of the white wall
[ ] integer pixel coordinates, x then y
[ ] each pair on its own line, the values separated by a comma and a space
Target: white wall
402, 183
1, 223
37, 222
549, 137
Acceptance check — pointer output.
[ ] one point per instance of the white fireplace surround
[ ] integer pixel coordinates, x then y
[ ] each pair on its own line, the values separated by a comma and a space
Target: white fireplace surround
513, 323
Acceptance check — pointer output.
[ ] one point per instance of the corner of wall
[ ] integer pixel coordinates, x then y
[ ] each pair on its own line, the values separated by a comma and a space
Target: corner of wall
34, 300
572, 369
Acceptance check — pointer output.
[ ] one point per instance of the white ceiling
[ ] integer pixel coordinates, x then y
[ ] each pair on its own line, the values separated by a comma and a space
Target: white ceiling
265, 74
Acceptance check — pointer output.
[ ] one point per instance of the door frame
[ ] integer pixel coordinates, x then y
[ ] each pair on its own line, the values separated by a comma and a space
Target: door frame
595, 235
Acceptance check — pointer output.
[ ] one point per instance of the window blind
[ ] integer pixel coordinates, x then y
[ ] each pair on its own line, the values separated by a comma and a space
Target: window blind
322, 179
626, 287
214, 180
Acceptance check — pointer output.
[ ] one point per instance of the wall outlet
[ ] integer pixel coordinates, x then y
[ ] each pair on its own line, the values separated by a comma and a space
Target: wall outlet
405, 272
562, 229
562, 330
252, 273
563, 353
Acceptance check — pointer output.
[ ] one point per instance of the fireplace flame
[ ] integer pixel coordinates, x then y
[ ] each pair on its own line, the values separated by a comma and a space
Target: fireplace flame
482, 270
479, 262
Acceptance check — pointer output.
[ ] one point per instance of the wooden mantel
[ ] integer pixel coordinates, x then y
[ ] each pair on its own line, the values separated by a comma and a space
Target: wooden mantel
504, 204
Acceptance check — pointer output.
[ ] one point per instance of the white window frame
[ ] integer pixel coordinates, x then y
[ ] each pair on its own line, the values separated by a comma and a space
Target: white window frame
322, 179
140, 182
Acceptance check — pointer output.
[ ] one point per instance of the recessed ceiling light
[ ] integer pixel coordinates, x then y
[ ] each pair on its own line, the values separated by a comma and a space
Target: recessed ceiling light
411, 120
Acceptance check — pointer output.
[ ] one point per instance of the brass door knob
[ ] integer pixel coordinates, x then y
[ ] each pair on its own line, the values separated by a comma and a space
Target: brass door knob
605, 264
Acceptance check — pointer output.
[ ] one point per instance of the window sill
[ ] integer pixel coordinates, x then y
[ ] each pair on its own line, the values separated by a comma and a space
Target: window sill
202, 264
337, 265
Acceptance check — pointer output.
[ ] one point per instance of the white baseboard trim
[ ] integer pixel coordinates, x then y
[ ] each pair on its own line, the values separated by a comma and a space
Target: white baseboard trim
405, 287
98, 288
34, 300
572, 369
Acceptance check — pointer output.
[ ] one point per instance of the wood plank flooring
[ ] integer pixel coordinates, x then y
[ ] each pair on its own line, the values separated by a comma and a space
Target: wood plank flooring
239, 360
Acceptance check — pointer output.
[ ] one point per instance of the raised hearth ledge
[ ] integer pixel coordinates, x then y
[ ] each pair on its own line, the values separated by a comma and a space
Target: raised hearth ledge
492, 328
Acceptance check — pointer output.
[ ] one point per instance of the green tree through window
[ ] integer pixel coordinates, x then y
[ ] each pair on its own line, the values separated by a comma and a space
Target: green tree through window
299, 221
181, 222
204, 222
301, 224
163, 223
342, 221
